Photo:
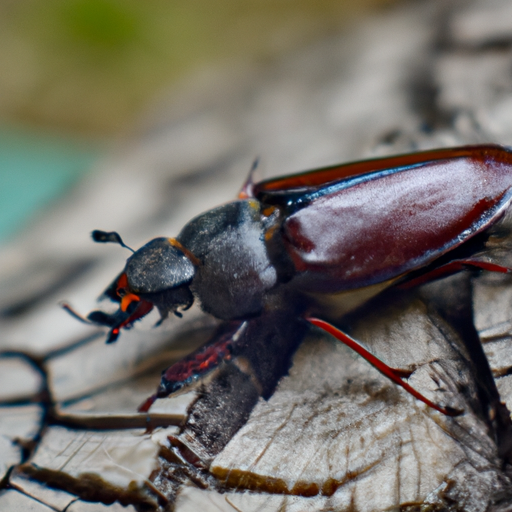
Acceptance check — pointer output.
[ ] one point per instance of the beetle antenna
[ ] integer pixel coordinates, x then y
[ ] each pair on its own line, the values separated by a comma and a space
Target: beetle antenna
66, 307
105, 237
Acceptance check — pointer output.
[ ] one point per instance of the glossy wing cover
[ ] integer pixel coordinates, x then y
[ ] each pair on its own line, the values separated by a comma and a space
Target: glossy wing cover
360, 224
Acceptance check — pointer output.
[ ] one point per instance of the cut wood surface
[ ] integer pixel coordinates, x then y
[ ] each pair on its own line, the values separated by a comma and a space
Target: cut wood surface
335, 434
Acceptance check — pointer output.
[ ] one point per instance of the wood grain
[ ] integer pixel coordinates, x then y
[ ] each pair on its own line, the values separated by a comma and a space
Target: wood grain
335, 435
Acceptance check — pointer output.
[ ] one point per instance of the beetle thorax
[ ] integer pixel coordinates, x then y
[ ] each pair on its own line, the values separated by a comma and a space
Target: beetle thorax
235, 272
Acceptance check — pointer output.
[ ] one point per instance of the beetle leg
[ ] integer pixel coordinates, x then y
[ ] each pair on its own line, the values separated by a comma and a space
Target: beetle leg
197, 364
452, 268
67, 307
390, 373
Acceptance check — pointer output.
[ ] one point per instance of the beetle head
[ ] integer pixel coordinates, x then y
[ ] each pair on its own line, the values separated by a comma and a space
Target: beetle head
157, 275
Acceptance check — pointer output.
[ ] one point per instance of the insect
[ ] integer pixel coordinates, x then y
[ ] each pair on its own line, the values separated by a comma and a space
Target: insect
344, 233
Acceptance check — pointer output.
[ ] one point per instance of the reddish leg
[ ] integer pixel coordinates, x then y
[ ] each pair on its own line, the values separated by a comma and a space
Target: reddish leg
197, 364
452, 268
390, 373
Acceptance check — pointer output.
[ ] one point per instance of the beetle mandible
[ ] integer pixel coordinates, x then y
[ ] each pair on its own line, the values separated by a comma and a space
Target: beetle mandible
348, 230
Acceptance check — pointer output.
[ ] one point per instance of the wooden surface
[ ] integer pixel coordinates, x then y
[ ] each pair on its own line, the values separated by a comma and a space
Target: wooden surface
335, 435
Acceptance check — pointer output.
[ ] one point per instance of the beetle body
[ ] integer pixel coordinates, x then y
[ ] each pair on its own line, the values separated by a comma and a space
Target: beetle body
345, 230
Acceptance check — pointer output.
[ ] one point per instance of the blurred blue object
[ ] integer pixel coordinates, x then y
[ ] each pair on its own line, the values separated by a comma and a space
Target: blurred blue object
35, 169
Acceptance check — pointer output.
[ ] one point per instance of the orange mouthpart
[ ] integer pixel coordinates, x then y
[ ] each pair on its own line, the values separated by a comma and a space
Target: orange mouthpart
127, 300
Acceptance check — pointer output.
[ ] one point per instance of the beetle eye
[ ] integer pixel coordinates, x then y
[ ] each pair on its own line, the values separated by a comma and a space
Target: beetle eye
122, 285
121, 292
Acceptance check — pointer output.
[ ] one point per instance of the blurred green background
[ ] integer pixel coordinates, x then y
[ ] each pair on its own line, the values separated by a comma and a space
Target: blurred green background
76, 74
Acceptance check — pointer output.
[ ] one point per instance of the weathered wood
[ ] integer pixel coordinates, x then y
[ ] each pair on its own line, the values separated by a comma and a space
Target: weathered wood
18, 428
56, 499
335, 435
83, 506
18, 380
14, 500
97, 466
346, 434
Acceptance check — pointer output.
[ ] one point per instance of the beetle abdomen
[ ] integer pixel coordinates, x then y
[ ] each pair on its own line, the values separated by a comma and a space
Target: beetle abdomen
393, 222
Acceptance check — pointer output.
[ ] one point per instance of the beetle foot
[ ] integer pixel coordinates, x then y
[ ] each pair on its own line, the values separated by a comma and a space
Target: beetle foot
402, 372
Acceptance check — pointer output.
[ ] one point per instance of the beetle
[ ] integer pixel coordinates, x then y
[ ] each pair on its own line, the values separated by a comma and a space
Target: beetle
337, 235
